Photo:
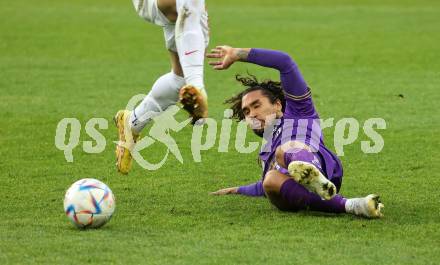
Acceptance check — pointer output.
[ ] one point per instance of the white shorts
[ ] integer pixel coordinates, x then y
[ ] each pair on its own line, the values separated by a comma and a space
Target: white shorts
148, 10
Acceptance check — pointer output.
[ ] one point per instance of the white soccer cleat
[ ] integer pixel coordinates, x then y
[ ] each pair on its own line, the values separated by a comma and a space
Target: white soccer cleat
369, 206
312, 179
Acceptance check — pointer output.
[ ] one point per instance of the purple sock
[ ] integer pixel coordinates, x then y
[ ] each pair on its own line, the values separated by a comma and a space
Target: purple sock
297, 197
298, 154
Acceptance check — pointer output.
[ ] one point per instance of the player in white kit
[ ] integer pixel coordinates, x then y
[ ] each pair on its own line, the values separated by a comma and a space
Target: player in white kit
186, 32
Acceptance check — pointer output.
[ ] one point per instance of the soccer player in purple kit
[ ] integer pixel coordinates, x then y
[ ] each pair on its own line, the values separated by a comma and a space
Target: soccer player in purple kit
299, 172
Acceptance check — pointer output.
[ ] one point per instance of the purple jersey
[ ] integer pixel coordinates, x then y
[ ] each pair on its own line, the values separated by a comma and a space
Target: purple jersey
300, 121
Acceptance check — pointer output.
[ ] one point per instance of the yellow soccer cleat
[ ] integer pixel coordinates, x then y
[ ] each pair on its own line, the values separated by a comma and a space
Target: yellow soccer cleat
127, 140
194, 102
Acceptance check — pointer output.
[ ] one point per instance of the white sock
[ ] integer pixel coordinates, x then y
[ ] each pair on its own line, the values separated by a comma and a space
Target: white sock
357, 206
349, 206
164, 93
190, 41
369, 206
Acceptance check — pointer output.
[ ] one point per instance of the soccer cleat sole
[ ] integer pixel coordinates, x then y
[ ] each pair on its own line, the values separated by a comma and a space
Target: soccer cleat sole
310, 177
375, 206
194, 102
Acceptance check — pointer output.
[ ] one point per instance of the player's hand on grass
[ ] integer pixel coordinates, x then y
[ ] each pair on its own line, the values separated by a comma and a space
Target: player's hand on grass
226, 56
227, 191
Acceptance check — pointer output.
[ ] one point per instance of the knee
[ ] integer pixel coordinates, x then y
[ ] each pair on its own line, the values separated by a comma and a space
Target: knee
190, 8
279, 157
273, 181
288, 147
166, 89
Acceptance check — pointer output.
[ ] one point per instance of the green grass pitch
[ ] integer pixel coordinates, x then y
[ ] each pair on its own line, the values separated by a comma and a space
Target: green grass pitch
86, 59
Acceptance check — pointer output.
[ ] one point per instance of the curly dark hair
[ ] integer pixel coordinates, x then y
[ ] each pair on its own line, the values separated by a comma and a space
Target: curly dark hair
271, 89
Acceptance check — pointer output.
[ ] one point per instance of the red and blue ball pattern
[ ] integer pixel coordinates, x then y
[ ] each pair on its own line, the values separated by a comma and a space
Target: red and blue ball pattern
89, 203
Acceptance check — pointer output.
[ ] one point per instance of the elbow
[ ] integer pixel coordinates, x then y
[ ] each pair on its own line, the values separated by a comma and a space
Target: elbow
287, 64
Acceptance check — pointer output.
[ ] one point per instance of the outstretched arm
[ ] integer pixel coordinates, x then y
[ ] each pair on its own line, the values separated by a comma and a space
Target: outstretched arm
297, 94
254, 190
293, 82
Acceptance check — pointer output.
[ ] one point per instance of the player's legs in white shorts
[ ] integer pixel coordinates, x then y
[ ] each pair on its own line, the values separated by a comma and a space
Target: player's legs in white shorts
187, 38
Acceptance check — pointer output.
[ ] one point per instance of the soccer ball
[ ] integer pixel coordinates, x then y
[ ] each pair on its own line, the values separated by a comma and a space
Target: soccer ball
89, 203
